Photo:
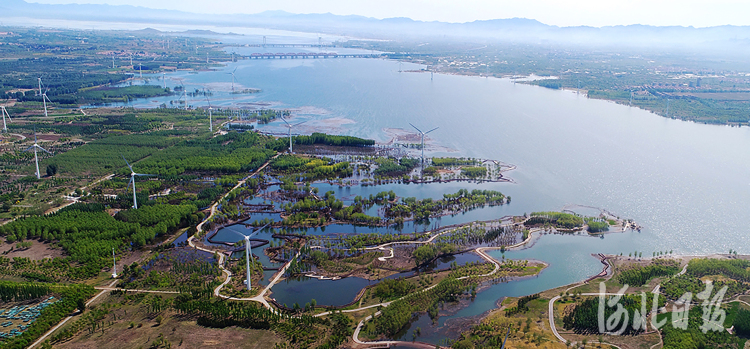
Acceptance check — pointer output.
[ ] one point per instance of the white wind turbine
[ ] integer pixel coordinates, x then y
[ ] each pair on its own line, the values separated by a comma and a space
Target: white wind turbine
36, 158
5, 113
182, 97
210, 118
114, 264
132, 180
290, 131
248, 250
233, 77
45, 99
185, 95
44, 96
423, 133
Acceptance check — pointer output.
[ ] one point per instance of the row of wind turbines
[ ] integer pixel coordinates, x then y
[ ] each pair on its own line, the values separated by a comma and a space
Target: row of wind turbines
35, 147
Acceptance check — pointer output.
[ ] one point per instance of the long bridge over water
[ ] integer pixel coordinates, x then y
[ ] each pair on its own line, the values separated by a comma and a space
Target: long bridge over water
292, 55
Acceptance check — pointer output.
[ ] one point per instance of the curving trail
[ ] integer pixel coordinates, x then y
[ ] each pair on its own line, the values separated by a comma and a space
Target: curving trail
383, 247
217, 291
552, 316
480, 251
239, 184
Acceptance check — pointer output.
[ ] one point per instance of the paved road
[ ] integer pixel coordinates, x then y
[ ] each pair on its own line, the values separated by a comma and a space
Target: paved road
217, 291
108, 288
44, 337
552, 316
355, 336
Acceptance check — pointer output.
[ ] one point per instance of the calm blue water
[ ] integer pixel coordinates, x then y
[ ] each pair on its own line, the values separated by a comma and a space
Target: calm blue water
329, 292
686, 183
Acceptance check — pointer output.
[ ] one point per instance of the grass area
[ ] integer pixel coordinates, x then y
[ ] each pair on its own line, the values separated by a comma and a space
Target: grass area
129, 324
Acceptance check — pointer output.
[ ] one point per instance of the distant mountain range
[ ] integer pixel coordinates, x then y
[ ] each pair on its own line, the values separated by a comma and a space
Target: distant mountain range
513, 30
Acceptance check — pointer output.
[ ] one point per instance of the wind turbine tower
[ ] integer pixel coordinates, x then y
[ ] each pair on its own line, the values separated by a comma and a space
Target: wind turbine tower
233, 78
45, 99
210, 118
114, 264
132, 181
290, 132
5, 113
36, 147
44, 96
183, 97
423, 134
248, 251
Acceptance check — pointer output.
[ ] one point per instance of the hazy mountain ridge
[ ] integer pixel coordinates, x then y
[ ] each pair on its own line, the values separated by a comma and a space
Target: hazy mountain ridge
512, 29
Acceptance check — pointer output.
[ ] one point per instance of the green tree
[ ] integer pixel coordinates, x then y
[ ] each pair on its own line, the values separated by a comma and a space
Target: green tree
81, 305
51, 170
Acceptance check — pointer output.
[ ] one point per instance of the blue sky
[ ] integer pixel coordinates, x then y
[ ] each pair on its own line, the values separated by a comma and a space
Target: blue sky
555, 12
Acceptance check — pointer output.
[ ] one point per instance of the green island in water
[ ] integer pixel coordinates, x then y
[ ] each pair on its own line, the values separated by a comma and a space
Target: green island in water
188, 227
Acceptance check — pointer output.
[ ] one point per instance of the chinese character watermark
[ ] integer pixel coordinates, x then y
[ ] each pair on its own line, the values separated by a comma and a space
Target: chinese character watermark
618, 320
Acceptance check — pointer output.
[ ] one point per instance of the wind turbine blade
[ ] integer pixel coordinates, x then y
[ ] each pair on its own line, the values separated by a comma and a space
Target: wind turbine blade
144, 174
432, 130
258, 230
126, 161
300, 123
236, 232
235, 69
131, 182
282, 118
44, 149
29, 148
412, 125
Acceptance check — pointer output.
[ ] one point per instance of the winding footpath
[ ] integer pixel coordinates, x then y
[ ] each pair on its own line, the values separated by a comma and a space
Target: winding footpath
480, 251
551, 312
217, 291
111, 287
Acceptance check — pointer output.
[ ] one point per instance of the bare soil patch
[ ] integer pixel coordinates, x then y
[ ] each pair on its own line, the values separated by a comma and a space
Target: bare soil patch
37, 251
181, 332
